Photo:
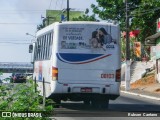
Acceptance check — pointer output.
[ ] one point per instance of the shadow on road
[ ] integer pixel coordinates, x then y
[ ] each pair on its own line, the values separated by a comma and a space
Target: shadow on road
114, 110
112, 107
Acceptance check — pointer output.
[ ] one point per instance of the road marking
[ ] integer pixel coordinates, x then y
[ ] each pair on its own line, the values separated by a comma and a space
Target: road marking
145, 96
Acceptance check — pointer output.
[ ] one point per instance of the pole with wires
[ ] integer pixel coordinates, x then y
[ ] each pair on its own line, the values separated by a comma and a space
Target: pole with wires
127, 70
68, 10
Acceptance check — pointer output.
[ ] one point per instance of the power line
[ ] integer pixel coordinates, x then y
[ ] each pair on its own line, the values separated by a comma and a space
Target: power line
13, 43
50, 4
4, 40
14, 40
8, 44
22, 12
145, 12
56, 4
132, 7
61, 4
60, 12
123, 9
20, 23
141, 12
149, 10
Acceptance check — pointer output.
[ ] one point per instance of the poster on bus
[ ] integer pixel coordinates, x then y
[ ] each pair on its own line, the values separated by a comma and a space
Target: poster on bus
89, 37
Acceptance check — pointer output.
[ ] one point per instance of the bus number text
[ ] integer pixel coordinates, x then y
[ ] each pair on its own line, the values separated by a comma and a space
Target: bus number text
107, 76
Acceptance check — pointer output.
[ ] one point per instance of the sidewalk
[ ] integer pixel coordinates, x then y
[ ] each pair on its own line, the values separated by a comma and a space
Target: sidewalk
150, 90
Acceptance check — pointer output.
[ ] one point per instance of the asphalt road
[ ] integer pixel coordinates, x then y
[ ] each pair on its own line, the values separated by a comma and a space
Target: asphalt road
125, 106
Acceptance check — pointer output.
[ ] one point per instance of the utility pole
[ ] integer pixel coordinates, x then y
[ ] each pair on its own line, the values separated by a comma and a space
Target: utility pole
68, 10
48, 19
127, 70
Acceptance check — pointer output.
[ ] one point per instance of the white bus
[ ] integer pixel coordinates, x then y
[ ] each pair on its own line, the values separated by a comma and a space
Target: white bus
78, 61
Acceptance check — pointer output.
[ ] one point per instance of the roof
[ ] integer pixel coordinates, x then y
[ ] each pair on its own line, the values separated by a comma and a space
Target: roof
151, 40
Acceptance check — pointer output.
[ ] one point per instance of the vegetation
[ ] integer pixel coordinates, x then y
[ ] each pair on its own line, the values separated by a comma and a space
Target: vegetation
1, 73
85, 17
23, 98
55, 16
143, 14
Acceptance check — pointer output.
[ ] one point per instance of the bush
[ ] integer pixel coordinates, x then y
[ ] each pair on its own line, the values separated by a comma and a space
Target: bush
22, 97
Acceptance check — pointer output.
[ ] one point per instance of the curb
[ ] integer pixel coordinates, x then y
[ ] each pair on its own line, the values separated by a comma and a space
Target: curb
145, 96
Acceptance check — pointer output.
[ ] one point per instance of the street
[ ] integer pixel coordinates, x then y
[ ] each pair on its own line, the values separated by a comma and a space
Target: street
126, 105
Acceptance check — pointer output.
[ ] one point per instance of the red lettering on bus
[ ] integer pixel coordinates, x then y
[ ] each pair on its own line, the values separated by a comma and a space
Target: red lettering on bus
107, 76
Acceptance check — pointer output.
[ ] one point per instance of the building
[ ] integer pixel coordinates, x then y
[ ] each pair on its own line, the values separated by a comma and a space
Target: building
154, 42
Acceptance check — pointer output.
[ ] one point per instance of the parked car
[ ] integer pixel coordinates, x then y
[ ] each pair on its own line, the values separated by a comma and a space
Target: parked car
18, 78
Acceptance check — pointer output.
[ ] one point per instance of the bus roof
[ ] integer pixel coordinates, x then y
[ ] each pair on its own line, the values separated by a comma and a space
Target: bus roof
86, 22
51, 26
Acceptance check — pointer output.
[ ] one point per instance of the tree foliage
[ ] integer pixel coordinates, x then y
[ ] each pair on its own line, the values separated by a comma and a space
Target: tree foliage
143, 14
85, 17
21, 97
41, 26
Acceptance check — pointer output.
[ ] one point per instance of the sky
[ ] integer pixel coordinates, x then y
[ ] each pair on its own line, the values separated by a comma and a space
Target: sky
18, 17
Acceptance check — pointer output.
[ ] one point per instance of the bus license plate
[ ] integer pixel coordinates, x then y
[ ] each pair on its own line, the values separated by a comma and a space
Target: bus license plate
86, 90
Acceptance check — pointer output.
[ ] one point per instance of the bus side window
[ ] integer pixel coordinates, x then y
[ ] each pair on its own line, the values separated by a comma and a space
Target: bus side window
50, 44
35, 53
38, 48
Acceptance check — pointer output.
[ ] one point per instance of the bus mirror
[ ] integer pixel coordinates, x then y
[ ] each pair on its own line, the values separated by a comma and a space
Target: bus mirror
30, 48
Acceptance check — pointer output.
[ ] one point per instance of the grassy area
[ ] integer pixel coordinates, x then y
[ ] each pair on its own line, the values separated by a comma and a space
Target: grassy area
22, 97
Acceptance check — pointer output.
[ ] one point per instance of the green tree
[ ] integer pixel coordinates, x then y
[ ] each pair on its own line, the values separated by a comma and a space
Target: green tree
142, 13
85, 17
144, 18
21, 97
41, 26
